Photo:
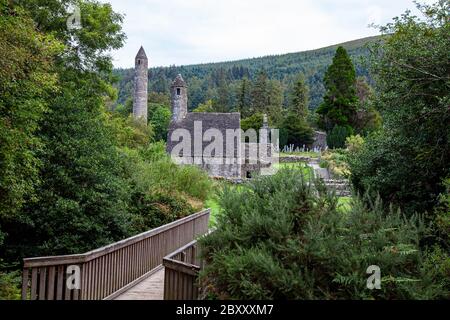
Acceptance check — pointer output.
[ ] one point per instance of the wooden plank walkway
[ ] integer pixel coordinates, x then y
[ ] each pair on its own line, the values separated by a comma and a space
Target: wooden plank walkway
151, 288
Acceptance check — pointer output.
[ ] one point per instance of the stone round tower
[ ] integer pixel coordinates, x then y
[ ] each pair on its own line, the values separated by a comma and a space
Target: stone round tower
140, 86
178, 92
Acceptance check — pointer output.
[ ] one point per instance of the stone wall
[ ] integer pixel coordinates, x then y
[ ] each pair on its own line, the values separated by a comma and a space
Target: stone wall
294, 159
320, 140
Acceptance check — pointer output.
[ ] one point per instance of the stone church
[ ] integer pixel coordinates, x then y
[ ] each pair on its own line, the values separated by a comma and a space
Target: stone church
232, 159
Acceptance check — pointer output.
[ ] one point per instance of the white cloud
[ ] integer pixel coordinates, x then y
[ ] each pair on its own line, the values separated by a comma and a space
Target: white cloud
197, 31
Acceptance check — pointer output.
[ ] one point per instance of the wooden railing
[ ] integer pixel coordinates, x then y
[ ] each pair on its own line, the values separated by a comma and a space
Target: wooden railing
181, 272
108, 271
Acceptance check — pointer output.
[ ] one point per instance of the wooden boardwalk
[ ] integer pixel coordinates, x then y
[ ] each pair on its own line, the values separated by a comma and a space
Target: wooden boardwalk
131, 269
151, 288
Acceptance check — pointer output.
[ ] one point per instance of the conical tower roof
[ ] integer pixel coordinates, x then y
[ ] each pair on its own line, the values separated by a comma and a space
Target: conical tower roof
179, 82
141, 54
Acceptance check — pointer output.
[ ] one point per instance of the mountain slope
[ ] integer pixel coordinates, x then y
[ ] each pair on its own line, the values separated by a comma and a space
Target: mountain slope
202, 78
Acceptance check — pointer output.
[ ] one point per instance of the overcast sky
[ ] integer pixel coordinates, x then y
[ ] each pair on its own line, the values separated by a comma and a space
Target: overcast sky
184, 32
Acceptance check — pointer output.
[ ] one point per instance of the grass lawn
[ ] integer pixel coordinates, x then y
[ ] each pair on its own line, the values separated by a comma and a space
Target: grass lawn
307, 171
212, 204
344, 204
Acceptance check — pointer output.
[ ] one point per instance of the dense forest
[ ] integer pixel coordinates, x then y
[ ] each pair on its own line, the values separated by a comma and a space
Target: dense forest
222, 82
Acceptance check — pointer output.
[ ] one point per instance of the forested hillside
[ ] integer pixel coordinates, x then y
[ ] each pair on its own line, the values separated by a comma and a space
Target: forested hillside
222, 81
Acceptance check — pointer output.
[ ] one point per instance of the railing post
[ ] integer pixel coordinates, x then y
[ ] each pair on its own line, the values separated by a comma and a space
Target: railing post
25, 283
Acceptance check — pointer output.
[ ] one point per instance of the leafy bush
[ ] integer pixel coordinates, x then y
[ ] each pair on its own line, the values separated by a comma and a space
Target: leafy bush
10, 282
336, 161
162, 174
442, 217
406, 162
160, 190
130, 133
337, 137
10, 285
279, 239
159, 118
254, 122
354, 143
154, 210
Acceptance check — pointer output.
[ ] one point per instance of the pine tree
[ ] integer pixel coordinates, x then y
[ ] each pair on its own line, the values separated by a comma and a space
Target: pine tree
244, 98
340, 101
260, 92
299, 97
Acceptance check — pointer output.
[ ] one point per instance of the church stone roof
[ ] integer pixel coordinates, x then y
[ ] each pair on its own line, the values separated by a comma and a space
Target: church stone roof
179, 82
141, 54
219, 121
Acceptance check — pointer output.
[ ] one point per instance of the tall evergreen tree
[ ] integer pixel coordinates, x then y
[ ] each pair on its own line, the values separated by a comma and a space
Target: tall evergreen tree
260, 92
222, 104
244, 98
299, 97
340, 101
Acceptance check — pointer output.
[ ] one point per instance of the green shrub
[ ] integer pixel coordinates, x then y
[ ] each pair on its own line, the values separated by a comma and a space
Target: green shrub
154, 210
159, 118
336, 161
337, 137
254, 122
442, 217
354, 143
10, 285
279, 239
406, 162
160, 190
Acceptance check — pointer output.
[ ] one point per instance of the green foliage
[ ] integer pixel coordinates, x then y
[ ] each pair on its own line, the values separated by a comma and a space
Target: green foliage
205, 107
278, 239
160, 190
253, 122
337, 137
159, 99
129, 132
154, 210
161, 174
295, 131
354, 143
367, 119
244, 99
340, 101
81, 200
10, 284
27, 79
74, 176
299, 98
336, 161
442, 214
406, 162
159, 119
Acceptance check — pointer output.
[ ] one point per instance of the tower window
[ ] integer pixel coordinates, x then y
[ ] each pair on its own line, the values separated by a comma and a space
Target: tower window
139, 61
178, 91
